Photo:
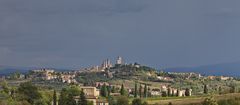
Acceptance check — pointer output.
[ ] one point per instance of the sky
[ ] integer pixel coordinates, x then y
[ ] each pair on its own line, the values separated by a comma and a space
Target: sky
81, 33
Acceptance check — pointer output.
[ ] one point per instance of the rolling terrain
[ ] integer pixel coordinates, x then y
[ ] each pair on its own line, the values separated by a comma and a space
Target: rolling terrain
226, 69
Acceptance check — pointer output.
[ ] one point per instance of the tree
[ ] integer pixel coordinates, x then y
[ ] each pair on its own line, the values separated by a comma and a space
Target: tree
164, 94
122, 100
47, 97
145, 91
187, 92
82, 99
40, 102
54, 98
15, 75
220, 90
144, 103
232, 89
172, 93
104, 91
205, 91
113, 90
137, 102
67, 95
210, 101
112, 100
122, 90
90, 103
29, 92
108, 90
178, 91
63, 97
169, 92
140, 91
5, 86
149, 92
135, 91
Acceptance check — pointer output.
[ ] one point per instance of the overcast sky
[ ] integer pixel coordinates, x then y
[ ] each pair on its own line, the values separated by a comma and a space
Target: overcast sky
79, 33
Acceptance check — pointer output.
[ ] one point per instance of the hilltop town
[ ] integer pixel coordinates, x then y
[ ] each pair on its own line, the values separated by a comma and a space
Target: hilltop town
121, 79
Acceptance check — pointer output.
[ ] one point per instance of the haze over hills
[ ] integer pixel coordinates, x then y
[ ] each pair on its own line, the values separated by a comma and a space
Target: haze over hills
226, 69
6, 70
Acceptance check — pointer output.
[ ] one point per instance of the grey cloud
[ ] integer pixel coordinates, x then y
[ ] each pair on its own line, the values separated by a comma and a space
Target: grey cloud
83, 32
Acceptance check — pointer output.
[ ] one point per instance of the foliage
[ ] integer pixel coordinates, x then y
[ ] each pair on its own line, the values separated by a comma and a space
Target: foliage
138, 101
5, 86
234, 101
54, 97
67, 95
205, 91
187, 92
140, 91
90, 103
123, 91
40, 102
82, 99
164, 94
104, 91
145, 91
88, 78
210, 101
168, 92
135, 91
122, 100
177, 92
15, 75
144, 103
113, 89
29, 92
112, 100
220, 90
232, 89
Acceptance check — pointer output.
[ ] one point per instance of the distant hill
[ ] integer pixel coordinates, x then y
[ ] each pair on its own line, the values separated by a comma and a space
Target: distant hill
226, 69
6, 70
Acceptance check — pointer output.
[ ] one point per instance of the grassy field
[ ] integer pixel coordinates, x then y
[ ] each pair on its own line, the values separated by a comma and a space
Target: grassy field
188, 100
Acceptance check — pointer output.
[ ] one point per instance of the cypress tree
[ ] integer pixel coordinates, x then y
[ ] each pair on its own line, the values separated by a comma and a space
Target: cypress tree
104, 91
205, 91
164, 94
220, 90
54, 98
108, 90
140, 90
135, 91
148, 92
82, 99
187, 92
113, 90
145, 91
122, 91
177, 92
172, 93
168, 92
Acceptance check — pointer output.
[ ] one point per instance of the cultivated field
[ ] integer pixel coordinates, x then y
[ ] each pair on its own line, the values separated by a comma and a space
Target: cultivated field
188, 100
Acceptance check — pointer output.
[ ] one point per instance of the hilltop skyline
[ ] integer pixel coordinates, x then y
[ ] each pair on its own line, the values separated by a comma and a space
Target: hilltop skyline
77, 34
